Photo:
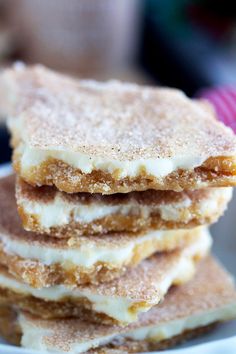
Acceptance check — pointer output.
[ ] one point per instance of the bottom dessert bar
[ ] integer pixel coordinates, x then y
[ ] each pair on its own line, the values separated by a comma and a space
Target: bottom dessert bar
187, 311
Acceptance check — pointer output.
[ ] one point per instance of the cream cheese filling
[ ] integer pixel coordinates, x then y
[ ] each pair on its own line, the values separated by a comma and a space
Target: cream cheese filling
89, 253
156, 167
120, 308
33, 336
61, 212
178, 326
85, 255
211, 205
115, 307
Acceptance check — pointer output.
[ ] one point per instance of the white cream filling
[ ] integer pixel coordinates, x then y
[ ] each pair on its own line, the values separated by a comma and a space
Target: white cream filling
86, 255
60, 212
33, 336
116, 307
212, 204
178, 326
158, 167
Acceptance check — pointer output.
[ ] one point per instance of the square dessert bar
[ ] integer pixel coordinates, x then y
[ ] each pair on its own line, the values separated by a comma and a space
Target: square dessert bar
87, 136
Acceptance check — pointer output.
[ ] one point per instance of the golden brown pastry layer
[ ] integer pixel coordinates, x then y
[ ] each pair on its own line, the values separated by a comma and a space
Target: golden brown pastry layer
71, 180
47, 210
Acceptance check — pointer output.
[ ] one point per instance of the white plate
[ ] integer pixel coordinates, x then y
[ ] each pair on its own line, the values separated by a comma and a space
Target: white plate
223, 338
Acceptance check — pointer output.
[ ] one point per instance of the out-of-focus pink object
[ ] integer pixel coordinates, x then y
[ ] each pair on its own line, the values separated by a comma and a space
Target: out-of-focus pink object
224, 101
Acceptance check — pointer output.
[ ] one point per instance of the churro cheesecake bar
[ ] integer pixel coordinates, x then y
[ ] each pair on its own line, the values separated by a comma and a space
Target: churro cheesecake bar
187, 311
42, 261
118, 301
47, 210
111, 137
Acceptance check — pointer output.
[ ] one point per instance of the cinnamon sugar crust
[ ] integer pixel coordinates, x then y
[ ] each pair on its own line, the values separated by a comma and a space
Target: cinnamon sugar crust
120, 137
196, 301
87, 214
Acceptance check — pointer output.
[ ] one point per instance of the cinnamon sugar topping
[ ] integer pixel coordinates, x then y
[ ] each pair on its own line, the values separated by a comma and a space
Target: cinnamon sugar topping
114, 120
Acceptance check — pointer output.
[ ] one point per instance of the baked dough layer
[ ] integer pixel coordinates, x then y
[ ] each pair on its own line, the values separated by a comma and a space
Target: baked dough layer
71, 180
47, 210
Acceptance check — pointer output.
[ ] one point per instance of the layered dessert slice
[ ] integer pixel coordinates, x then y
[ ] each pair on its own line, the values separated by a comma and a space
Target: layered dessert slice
118, 301
47, 210
187, 311
42, 261
87, 136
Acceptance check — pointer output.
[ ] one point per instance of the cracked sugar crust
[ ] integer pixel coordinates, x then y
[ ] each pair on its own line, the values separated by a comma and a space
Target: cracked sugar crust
113, 120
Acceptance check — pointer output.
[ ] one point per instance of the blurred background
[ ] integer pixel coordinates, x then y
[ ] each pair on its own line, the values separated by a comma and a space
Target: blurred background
189, 44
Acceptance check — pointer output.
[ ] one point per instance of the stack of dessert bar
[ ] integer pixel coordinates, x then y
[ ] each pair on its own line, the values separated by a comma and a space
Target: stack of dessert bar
115, 185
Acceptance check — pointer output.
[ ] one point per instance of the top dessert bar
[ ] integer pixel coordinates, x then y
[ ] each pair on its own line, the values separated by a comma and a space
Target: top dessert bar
87, 136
